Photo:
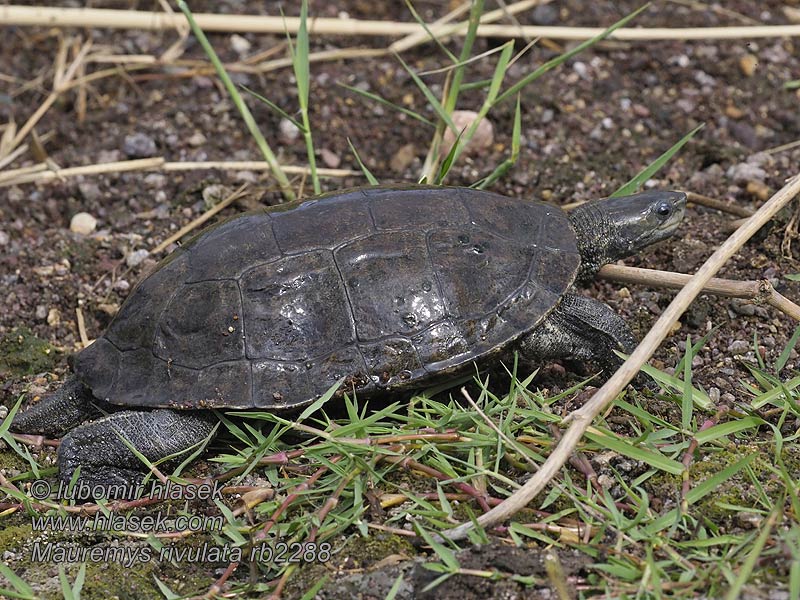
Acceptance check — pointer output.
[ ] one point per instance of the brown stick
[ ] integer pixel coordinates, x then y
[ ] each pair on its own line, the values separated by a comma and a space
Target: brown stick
583, 417
760, 291
739, 211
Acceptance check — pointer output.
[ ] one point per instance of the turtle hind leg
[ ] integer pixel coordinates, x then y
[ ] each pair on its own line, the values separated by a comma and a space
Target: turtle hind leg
581, 328
60, 411
104, 459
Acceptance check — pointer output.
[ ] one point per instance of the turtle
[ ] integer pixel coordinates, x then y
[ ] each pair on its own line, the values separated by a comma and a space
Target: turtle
375, 290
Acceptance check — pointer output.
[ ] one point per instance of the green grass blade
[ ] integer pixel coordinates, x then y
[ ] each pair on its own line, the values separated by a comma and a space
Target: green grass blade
650, 170
454, 90
552, 64
236, 97
164, 589
66, 589
754, 555
699, 397
303, 76
725, 429
312, 591
448, 161
505, 166
687, 402
395, 588
784, 357
617, 444
431, 35
385, 102
274, 107
430, 97
370, 177
772, 394
23, 590
317, 404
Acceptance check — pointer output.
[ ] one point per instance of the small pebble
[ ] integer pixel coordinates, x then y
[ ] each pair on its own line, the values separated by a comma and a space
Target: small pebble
155, 180
288, 131
481, 140
738, 347
545, 14
748, 64
109, 309
581, 69
53, 317
758, 189
734, 112
3, 412
135, 258
82, 223
240, 44
403, 158
746, 172
213, 194
90, 191
41, 312
139, 145
121, 285
330, 158
3, 238
198, 139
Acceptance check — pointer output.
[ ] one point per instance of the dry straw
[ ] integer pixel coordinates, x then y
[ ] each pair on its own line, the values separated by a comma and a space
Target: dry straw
132, 19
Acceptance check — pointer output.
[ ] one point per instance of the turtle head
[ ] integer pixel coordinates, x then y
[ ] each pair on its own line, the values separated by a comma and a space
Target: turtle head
614, 228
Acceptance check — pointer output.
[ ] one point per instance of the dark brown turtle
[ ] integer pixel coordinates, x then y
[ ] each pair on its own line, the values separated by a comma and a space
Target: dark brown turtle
385, 288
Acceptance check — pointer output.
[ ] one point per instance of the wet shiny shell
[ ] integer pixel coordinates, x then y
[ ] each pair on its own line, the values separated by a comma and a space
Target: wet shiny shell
388, 288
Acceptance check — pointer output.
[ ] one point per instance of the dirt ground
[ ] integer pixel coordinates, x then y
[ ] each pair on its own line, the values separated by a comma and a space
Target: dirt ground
587, 128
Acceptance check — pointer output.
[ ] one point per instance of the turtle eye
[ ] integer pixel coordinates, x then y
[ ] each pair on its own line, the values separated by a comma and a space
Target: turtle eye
663, 209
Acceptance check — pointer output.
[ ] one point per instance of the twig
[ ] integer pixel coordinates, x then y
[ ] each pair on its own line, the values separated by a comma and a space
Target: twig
216, 587
201, 219
38, 173
739, 211
582, 418
18, 176
782, 147
133, 19
81, 327
760, 291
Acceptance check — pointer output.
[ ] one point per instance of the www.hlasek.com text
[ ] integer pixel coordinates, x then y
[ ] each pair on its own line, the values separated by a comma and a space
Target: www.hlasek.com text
151, 523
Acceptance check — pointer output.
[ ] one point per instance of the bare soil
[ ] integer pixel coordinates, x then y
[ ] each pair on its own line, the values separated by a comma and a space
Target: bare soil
588, 127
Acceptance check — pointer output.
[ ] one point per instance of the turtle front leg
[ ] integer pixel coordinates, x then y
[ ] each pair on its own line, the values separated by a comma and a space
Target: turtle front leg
106, 461
583, 329
60, 411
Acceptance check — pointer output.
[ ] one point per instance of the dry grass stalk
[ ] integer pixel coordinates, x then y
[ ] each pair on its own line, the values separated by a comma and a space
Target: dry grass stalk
62, 78
132, 19
85, 341
39, 173
758, 291
580, 420
239, 193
